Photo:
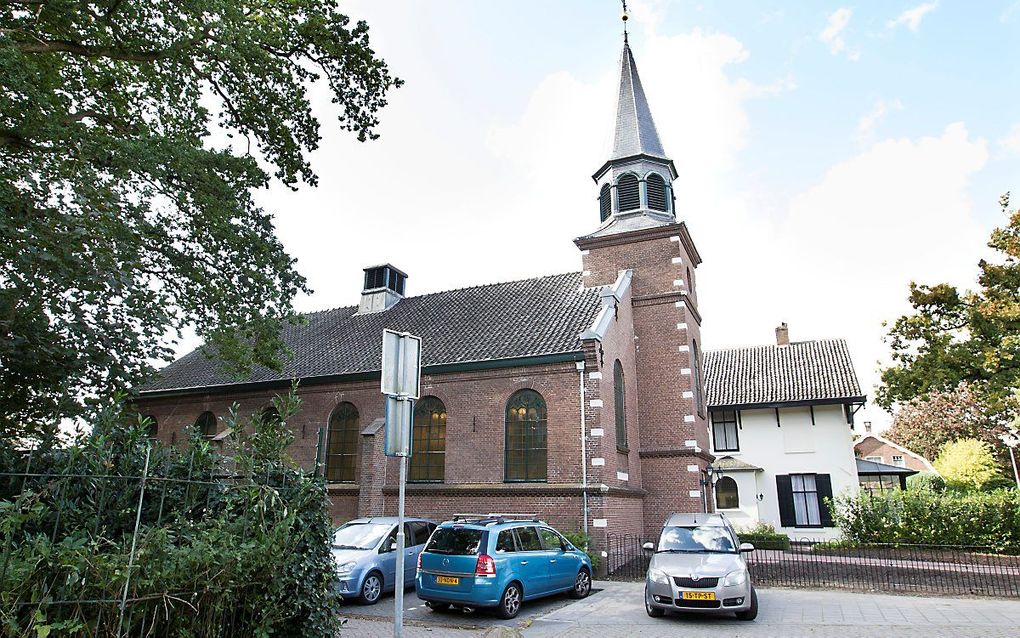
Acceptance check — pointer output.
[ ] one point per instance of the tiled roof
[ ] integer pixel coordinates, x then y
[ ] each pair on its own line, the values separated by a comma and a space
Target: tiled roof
798, 372
530, 317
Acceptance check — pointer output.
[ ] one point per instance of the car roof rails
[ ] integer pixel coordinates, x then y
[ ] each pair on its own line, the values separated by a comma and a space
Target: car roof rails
494, 518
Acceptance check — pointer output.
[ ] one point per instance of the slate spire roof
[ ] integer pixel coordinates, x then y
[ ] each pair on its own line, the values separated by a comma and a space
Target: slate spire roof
635, 130
799, 373
478, 325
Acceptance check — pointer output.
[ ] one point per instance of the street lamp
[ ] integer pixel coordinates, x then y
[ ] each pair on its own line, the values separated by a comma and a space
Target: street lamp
1012, 440
706, 481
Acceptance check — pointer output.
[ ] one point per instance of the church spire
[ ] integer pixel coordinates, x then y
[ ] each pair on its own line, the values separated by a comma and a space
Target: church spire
635, 130
636, 182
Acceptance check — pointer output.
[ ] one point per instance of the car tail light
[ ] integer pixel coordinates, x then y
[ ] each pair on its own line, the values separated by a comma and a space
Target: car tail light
486, 566
419, 562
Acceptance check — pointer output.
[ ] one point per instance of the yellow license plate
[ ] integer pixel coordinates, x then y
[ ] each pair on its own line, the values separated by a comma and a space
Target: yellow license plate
698, 595
447, 580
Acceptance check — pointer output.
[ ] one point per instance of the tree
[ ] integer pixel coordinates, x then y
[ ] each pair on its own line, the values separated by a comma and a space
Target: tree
954, 336
925, 424
132, 135
967, 464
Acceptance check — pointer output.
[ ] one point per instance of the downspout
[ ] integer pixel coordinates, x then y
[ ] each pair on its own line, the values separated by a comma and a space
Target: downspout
584, 452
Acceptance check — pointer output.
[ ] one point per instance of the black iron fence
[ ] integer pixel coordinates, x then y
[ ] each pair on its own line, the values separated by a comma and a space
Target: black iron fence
917, 569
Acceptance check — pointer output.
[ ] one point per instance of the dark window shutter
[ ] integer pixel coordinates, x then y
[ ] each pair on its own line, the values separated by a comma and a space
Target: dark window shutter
605, 202
656, 192
824, 486
787, 515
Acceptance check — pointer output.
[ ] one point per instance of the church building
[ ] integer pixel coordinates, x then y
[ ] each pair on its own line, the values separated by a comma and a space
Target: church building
579, 397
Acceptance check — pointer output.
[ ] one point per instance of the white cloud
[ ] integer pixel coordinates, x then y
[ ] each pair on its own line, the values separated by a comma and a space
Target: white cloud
866, 125
911, 18
1010, 144
832, 34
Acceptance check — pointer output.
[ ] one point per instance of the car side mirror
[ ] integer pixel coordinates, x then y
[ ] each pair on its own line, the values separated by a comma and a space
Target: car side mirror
745, 547
648, 547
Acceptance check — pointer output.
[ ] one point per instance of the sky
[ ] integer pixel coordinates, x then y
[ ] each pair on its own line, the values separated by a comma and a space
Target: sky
828, 153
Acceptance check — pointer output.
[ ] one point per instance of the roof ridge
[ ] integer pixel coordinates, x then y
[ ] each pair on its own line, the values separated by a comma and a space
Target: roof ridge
777, 346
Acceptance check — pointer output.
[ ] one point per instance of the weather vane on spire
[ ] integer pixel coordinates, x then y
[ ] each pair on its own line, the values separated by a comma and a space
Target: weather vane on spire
625, 17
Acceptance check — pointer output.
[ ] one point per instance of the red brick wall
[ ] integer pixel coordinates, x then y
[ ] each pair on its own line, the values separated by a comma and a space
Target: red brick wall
870, 446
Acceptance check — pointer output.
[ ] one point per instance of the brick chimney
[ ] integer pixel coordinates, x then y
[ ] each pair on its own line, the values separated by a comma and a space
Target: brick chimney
783, 335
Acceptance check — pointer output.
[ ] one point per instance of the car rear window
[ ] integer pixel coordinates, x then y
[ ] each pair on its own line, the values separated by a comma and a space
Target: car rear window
455, 541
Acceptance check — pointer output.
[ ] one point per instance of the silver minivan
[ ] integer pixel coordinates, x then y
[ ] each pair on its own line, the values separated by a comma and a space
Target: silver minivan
698, 566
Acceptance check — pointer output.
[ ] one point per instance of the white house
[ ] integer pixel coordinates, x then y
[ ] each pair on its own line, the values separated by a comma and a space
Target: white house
781, 419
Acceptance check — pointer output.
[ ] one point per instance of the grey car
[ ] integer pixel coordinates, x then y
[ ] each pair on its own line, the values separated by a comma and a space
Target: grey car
365, 553
698, 566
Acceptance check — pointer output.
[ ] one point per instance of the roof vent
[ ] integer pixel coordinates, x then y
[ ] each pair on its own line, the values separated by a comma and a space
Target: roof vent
783, 335
384, 287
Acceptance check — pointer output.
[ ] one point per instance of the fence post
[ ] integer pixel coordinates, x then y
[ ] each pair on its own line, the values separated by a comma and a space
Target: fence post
134, 540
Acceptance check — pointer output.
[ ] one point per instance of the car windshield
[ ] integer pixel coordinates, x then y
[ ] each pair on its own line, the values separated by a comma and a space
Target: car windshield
360, 535
454, 541
696, 539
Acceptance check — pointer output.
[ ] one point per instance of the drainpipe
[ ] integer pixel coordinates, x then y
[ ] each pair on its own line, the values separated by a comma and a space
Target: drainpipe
584, 451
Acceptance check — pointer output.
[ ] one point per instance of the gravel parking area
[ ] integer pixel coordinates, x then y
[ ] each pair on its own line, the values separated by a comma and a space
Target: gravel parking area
617, 610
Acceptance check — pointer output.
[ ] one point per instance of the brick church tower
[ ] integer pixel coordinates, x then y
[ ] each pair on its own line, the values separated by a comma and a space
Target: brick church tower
640, 232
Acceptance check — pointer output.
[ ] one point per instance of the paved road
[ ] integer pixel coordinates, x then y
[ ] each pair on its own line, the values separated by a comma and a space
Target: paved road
617, 610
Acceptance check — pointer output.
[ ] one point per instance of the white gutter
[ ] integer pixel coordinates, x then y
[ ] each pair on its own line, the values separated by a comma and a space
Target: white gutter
584, 452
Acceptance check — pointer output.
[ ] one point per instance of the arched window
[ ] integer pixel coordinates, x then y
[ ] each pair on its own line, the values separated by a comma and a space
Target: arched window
206, 424
342, 448
726, 497
428, 462
526, 437
629, 192
605, 202
151, 426
620, 405
656, 192
699, 396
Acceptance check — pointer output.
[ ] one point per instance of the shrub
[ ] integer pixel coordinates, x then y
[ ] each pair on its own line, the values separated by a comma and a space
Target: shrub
967, 464
582, 541
764, 536
986, 519
926, 481
244, 553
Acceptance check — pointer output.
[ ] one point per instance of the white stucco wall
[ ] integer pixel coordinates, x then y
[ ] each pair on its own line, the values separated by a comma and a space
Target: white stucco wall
795, 446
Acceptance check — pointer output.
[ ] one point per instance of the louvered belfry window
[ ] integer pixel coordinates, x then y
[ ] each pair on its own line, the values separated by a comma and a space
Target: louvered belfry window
526, 437
629, 192
656, 192
605, 202
428, 463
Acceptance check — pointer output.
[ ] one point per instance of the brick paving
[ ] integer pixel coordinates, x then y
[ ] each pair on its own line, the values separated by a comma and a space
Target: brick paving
786, 613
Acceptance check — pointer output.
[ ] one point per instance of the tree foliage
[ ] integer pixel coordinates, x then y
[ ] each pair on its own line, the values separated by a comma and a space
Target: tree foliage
225, 546
956, 336
132, 135
925, 424
967, 464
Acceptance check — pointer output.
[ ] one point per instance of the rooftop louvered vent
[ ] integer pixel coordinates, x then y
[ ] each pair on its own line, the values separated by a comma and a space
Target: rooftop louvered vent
629, 193
384, 287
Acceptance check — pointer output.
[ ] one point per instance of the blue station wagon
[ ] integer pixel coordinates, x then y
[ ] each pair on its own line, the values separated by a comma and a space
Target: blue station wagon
498, 561
365, 553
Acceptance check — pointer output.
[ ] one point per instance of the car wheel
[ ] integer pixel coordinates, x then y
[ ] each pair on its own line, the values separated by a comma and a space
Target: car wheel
651, 610
752, 612
371, 589
510, 602
434, 606
582, 585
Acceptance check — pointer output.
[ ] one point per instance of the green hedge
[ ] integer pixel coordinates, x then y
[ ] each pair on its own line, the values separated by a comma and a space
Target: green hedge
924, 516
239, 555
764, 536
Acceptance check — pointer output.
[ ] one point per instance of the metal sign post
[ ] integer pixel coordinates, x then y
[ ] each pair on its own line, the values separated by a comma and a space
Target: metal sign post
401, 379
